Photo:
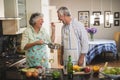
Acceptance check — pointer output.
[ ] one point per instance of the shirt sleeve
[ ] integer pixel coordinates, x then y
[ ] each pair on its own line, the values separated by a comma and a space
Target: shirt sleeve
47, 37
24, 40
83, 36
62, 35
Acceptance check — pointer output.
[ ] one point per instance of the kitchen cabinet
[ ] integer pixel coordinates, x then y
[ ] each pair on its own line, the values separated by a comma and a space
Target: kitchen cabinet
22, 13
1, 8
15, 15
10, 26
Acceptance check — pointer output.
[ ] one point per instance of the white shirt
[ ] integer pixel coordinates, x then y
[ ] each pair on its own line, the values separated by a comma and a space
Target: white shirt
74, 40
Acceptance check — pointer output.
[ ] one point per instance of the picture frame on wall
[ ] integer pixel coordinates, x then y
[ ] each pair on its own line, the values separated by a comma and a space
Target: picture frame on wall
84, 17
96, 15
116, 22
116, 14
107, 23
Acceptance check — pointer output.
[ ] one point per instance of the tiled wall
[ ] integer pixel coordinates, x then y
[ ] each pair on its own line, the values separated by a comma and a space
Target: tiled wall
3, 42
6, 41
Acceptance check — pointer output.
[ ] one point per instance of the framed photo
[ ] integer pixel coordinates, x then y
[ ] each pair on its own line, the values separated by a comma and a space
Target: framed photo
116, 14
116, 22
96, 15
107, 23
84, 17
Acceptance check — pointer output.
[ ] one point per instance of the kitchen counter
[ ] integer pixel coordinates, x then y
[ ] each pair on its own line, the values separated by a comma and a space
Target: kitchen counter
17, 75
10, 70
9, 65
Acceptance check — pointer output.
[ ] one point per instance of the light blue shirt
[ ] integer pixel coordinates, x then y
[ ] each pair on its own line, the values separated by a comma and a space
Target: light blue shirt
74, 40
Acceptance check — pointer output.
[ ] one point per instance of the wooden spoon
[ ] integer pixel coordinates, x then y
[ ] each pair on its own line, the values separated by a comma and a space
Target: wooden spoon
106, 64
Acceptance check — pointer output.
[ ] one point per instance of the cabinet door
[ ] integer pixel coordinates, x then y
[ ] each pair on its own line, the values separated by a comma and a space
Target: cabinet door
16, 9
22, 13
1, 8
10, 8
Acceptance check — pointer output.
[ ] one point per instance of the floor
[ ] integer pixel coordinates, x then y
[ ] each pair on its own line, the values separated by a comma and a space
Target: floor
100, 61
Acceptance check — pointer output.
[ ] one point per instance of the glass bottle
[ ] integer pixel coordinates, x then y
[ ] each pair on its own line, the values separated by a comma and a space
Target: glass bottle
70, 68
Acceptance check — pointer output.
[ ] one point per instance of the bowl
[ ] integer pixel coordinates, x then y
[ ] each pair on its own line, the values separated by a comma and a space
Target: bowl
111, 72
53, 45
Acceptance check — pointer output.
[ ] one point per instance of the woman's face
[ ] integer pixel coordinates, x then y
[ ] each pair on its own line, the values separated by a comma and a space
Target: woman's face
39, 22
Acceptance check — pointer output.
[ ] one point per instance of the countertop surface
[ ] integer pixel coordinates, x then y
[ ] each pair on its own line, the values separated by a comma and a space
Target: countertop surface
48, 76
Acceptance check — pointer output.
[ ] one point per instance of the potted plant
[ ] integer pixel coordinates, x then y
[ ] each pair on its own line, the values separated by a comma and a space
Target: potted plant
91, 31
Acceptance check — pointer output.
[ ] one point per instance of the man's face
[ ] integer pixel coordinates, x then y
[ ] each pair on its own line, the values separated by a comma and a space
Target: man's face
61, 18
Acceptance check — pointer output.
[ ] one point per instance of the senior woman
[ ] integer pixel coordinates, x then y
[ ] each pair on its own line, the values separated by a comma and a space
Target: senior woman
33, 39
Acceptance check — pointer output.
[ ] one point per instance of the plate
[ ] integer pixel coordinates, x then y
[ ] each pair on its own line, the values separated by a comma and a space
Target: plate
24, 70
111, 72
78, 72
29, 69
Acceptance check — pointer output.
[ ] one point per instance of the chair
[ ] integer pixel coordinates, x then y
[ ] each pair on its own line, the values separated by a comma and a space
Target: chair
117, 40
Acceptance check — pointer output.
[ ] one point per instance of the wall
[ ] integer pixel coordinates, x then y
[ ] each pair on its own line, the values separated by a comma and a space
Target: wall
41, 6
92, 5
38, 6
1, 8
31, 7
1, 15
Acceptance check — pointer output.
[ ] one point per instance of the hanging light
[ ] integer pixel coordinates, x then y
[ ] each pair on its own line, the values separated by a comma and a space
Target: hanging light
101, 19
101, 16
111, 15
111, 19
92, 17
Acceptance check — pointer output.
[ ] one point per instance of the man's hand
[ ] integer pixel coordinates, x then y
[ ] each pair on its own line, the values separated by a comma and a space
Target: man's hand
52, 26
53, 31
81, 60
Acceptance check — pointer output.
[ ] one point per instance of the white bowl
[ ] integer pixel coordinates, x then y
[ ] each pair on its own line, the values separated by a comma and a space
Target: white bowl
112, 76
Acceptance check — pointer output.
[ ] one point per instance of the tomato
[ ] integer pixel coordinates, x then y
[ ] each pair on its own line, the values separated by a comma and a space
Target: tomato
39, 67
87, 69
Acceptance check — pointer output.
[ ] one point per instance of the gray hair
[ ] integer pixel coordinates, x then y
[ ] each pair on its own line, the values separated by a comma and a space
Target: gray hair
34, 18
64, 11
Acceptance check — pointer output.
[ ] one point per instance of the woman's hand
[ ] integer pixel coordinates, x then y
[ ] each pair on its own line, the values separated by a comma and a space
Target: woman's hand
29, 45
39, 42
